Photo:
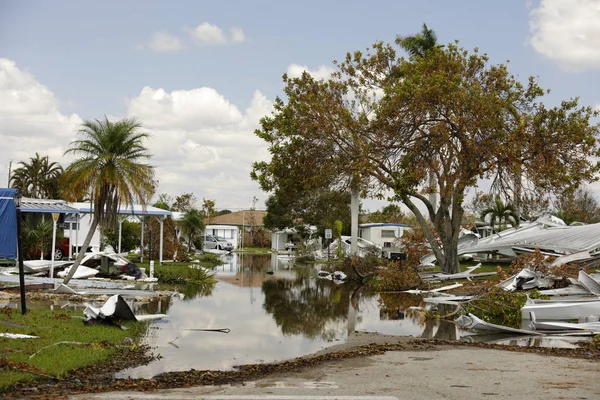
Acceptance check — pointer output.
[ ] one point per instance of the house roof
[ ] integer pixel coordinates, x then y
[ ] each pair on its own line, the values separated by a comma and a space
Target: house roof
239, 218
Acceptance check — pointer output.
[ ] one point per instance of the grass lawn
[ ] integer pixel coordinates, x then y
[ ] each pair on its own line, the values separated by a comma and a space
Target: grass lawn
64, 343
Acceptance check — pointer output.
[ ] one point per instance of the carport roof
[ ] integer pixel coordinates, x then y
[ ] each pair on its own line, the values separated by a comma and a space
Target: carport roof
46, 206
137, 209
62, 207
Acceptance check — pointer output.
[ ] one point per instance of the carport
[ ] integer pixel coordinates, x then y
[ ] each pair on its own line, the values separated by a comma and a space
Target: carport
125, 212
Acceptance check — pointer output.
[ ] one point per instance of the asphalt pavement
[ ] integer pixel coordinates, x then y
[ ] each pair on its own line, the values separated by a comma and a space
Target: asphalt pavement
440, 373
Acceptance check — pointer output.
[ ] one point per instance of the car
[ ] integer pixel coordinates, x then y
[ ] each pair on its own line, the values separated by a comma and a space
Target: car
217, 243
61, 251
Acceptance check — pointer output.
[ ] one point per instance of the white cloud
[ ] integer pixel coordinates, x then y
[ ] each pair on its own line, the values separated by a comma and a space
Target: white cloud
30, 120
165, 42
209, 34
202, 143
237, 35
567, 32
322, 72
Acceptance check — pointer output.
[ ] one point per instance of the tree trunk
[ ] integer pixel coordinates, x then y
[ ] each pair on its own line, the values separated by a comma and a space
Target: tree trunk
451, 264
82, 250
429, 236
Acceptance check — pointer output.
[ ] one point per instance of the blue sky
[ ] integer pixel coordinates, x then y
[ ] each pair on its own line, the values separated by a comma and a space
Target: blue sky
199, 74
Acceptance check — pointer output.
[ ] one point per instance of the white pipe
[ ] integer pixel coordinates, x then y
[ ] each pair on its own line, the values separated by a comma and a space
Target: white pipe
54, 219
120, 231
160, 250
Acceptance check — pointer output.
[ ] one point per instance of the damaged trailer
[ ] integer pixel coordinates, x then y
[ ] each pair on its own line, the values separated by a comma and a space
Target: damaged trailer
546, 234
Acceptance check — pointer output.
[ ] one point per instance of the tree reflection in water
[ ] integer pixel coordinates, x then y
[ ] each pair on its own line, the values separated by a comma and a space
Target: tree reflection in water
307, 306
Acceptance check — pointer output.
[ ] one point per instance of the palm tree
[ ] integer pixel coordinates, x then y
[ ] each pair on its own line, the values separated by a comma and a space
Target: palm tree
37, 178
191, 223
110, 171
418, 45
504, 214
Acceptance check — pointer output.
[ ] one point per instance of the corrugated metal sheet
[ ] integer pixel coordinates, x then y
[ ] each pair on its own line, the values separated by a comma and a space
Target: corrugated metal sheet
564, 239
46, 206
86, 208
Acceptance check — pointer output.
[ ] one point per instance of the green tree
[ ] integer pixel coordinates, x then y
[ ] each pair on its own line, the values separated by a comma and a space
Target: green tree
208, 209
392, 213
451, 114
130, 236
111, 171
37, 178
320, 207
192, 223
502, 214
37, 237
581, 206
184, 202
164, 202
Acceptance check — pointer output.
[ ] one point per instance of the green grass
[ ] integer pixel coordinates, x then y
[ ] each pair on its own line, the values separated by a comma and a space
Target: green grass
28, 359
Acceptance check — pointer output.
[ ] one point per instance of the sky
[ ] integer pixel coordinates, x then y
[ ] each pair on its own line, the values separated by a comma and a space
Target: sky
199, 75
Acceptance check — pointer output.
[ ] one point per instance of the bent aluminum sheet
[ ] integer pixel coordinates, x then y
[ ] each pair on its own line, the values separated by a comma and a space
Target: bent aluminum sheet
33, 266
592, 327
471, 321
124, 291
116, 307
17, 336
82, 272
560, 310
541, 234
589, 283
526, 279
468, 274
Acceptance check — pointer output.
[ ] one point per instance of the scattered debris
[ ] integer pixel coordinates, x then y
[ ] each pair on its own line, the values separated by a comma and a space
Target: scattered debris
560, 310
592, 328
336, 276
82, 272
437, 290
471, 321
116, 308
527, 279
468, 274
17, 336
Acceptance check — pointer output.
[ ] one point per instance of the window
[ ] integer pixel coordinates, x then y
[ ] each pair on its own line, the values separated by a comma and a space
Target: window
388, 233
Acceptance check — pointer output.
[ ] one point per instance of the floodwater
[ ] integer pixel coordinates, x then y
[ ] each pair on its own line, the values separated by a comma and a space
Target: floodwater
276, 311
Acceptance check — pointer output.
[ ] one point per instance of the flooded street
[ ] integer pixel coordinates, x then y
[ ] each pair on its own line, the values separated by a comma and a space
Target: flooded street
274, 313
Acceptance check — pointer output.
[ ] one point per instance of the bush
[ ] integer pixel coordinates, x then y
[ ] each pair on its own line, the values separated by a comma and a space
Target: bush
500, 307
181, 274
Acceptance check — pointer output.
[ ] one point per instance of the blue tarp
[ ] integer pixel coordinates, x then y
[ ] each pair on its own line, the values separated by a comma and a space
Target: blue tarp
8, 224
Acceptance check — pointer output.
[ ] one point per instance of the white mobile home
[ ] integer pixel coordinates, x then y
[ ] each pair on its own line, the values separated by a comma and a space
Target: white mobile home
230, 232
383, 234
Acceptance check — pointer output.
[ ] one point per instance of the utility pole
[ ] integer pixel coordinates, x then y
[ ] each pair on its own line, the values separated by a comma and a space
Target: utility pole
9, 171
